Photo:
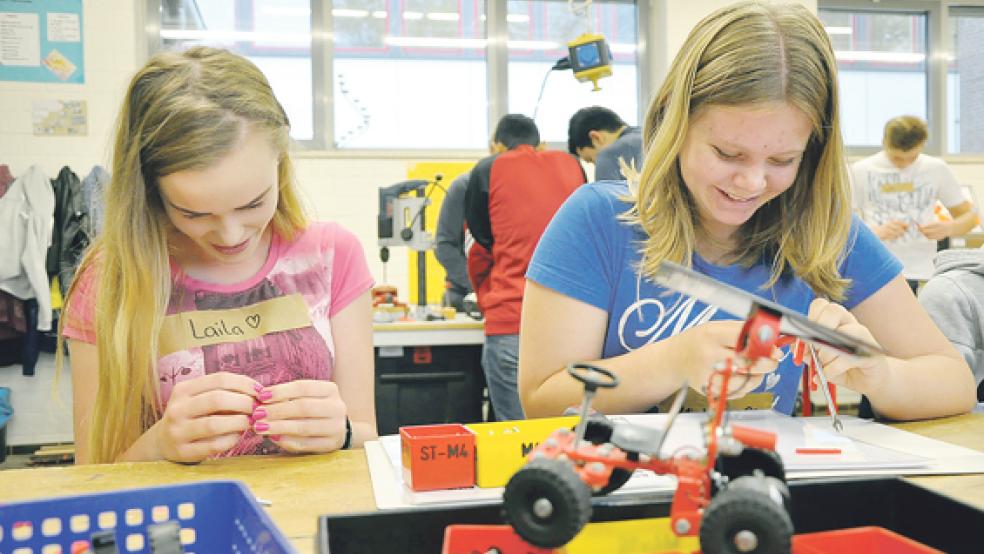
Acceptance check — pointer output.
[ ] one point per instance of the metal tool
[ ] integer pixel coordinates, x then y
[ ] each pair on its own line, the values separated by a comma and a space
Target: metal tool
831, 405
401, 223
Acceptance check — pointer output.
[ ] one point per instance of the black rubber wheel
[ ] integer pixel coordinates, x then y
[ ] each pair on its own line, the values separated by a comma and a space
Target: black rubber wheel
745, 518
598, 430
749, 462
547, 503
766, 485
618, 478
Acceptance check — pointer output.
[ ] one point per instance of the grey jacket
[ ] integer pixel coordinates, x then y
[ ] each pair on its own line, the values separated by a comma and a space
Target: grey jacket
627, 146
93, 189
450, 237
954, 298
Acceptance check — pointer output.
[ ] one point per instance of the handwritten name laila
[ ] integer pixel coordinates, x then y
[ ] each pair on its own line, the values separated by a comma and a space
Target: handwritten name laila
223, 328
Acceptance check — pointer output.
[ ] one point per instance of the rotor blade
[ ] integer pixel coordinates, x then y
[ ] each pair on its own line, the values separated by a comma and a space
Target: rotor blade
739, 303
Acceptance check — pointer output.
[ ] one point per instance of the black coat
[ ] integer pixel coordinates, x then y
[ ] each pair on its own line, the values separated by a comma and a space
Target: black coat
69, 237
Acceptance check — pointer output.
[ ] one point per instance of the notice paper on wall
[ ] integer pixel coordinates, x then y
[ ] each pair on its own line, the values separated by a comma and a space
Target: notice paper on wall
810, 448
60, 117
41, 41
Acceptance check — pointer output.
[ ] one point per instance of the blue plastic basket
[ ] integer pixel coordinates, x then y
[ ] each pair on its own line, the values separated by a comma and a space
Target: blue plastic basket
215, 516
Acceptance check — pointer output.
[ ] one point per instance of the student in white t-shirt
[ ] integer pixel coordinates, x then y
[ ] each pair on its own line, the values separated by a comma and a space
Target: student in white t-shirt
895, 191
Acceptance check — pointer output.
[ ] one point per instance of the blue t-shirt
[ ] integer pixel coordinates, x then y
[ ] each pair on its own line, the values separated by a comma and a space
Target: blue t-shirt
588, 254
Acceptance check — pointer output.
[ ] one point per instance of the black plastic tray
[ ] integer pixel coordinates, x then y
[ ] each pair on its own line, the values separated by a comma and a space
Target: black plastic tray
893, 503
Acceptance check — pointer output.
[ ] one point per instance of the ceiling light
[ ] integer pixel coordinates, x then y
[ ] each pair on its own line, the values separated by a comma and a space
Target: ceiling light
443, 16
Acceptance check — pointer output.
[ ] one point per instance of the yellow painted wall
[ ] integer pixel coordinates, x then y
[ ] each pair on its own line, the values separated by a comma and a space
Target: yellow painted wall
435, 271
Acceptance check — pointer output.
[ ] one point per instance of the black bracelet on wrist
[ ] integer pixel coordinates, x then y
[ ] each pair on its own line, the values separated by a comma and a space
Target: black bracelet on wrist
348, 434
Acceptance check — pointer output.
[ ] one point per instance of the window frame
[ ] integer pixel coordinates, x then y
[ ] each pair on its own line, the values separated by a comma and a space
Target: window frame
939, 17
968, 8
935, 68
497, 33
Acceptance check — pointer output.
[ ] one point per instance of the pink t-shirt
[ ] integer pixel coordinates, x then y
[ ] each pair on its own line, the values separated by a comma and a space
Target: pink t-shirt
274, 327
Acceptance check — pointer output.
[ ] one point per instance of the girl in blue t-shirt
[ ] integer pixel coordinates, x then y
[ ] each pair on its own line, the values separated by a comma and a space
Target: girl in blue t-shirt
745, 180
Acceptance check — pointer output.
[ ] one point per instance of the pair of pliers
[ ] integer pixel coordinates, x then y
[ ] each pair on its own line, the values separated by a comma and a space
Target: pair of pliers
799, 348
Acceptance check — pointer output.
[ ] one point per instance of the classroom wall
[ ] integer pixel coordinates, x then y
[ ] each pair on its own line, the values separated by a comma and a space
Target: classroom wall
338, 186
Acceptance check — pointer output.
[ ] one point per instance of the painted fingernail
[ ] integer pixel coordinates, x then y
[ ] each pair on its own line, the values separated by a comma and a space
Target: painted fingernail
275, 437
265, 395
259, 413
260, 427
257, 387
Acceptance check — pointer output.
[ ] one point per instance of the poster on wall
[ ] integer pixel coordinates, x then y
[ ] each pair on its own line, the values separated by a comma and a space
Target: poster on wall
41, 41
60, 117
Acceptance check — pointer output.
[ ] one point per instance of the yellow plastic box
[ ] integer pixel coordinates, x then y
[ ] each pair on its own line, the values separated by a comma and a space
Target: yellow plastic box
502, 447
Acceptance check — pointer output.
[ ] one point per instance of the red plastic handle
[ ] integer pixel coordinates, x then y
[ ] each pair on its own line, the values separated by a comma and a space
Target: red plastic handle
756, 438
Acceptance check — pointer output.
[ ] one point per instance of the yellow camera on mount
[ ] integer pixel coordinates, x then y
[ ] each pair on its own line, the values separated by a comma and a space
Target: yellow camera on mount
590, 58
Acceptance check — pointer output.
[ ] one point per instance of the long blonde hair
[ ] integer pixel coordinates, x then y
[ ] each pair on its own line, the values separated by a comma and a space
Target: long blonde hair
182, 111
745, 54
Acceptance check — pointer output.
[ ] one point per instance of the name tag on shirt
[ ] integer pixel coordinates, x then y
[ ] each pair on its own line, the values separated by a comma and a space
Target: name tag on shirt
205, 327
897, 187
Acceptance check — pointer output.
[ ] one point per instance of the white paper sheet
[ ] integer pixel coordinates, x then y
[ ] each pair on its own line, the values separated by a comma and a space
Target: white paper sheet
867, 448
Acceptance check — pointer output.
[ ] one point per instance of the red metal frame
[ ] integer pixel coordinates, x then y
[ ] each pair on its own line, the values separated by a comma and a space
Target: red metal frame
594, 463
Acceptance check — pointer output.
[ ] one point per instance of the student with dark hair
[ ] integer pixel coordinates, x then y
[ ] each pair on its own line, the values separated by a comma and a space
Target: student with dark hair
598, 135
450, 244
511, 197
514, 130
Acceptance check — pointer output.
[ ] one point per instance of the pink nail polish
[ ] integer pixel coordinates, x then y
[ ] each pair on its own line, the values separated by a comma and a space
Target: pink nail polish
265, 395
259, 413
258, 387
275, 437
261, 427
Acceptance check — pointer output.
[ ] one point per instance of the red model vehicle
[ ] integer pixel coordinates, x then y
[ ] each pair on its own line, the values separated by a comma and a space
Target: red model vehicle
731, 490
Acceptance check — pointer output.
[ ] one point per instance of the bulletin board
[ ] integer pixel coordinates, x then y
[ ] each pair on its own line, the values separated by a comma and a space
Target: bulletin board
41, 41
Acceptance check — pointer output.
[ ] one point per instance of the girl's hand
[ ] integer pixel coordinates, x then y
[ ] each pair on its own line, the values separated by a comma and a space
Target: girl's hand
303, 416
205, 416
699, 349
858, 374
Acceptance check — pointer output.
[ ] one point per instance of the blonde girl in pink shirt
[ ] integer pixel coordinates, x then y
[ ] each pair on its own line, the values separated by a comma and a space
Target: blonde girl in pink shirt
211, 318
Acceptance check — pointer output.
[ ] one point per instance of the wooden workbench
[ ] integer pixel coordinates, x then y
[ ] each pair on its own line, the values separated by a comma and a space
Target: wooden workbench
461, 330
300, 488
967, 431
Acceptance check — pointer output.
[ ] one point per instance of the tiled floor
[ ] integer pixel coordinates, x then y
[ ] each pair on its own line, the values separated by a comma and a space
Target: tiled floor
42, 403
